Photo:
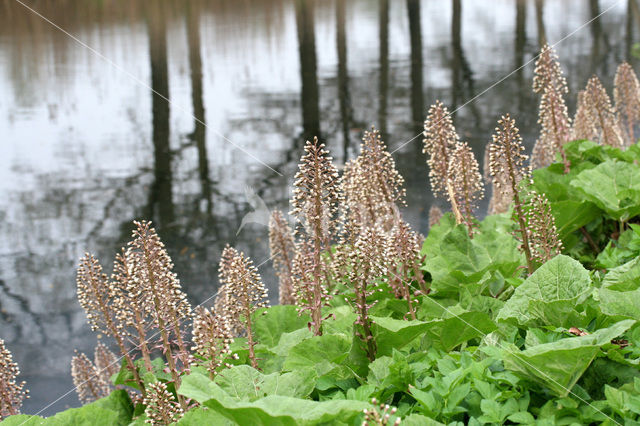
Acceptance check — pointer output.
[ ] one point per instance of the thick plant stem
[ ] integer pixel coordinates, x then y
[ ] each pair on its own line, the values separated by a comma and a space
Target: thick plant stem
520, 214
163, 329
250, 341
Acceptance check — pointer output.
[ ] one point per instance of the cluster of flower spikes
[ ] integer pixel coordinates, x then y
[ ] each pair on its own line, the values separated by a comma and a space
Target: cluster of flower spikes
553, 116
161, 407
90, 383
404, 264
466, 186
212, 338
143, 293
12, 392
541, 228
368, 260
532, 214
595, 117
315, 205
626, 95
244, 293
454, 171
371, 185
282, 247
92, 379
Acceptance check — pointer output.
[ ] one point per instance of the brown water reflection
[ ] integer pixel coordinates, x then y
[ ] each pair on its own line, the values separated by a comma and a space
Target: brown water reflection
86, 149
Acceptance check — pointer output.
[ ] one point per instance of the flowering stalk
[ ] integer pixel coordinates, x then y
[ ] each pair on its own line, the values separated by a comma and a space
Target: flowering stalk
310, 294
597, 115
544, 240
404, 249
211, 339
369, 259
435, 214
508, 170
245, 291
626, 94
162, 408
465, 185
314, 204
282, 246
106, 362
372, 185
440, 140
89, 383
12, 393
553, 116
162, 294
99, 298
131, 305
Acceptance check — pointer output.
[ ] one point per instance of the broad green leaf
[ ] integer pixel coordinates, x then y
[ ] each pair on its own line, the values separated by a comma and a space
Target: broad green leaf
558, 365
419, 420
270, 324
22, 419
614, 186
451, 332
560, 279
204, 416
248, 384
623, 278
282, 410
620, 291
443, 333
571, 215
115, 409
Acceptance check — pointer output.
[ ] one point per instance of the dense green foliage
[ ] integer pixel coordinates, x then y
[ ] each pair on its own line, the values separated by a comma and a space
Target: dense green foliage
489, 345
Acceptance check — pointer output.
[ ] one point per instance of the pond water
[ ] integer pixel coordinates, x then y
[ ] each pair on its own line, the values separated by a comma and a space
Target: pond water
86, 148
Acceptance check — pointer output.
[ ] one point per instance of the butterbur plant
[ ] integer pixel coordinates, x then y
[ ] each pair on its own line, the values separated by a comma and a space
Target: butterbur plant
595, 116
211, 339
371, 185
368, 258
543, 234
626, 94
404, 264
106, 362
245, 293
100, 299
440, 139
12, 392
132, 311
314, 204
282, 246
162, 295
162, 408
435, 214
508, 170
553, 116
90, 382
466, 187
311, 294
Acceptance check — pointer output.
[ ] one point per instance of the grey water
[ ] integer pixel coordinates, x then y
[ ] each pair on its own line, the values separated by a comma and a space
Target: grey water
86, 147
